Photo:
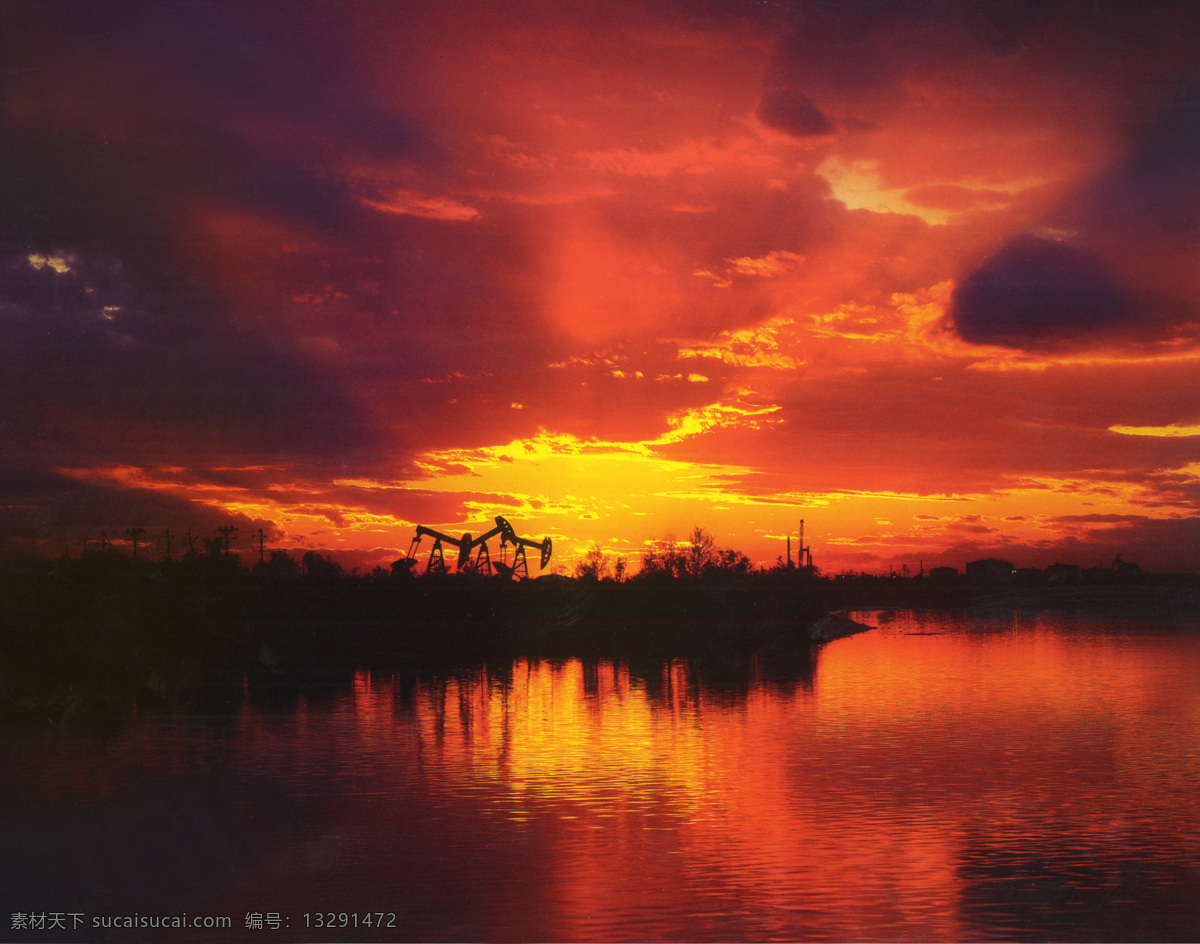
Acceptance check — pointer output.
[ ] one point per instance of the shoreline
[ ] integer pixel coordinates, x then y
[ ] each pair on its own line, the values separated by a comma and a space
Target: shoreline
94, 641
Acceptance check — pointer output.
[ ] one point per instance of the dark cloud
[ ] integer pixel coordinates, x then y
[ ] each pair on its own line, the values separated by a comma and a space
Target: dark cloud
1171, 149
120, 129
793, 112
57, 513
1155, 192
861, 47
142, 115
1038, 292
1121, 268
271, 61
114, 377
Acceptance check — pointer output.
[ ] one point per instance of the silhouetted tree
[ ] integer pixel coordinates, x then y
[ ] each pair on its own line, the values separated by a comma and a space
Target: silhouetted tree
278, 564
733, 562
318, 565
662, 560
700, 557
594, 565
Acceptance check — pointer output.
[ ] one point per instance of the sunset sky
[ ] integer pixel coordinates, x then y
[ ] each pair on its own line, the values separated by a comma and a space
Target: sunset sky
923, 274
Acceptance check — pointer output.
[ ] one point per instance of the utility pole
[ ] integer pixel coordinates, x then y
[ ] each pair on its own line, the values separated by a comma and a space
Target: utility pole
135, 535
168, 536
261, 550
227, 530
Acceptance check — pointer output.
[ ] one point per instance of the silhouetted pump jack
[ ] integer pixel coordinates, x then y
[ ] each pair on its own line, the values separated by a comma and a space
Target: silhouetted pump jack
518, 566
437, 559
482, 562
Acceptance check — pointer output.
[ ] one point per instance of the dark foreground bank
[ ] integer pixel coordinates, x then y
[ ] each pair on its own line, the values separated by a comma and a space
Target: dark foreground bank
109, 635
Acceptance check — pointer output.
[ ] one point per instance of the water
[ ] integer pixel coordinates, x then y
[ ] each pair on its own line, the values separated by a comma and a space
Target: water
945, 777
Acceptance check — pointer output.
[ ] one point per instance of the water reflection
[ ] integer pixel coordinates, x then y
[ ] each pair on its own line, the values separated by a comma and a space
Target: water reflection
947, 777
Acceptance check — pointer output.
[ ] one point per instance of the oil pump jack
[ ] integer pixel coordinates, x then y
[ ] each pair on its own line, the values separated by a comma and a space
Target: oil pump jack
437, 558
519, 566
482, 562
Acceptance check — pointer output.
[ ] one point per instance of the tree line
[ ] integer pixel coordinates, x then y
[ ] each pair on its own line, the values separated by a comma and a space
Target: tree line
697, 558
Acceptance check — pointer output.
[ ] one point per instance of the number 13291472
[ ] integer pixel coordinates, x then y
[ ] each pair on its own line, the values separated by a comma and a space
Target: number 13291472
350, 919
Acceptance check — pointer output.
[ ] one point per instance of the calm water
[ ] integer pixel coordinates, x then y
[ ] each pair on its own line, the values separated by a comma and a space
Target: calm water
945, 777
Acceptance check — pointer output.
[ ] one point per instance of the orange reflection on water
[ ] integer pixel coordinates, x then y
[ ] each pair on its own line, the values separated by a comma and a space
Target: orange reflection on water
674, 804
566, 733
851, 810
924, 782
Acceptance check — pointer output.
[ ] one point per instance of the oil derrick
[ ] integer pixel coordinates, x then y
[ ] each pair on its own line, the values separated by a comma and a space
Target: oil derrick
803, 553
473, 554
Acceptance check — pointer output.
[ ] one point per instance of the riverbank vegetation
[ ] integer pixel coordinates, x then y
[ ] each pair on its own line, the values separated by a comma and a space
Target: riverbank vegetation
108, 631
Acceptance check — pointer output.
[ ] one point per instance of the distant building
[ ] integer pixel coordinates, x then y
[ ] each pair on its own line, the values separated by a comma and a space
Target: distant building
1062, 573
991, 569
943, 573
